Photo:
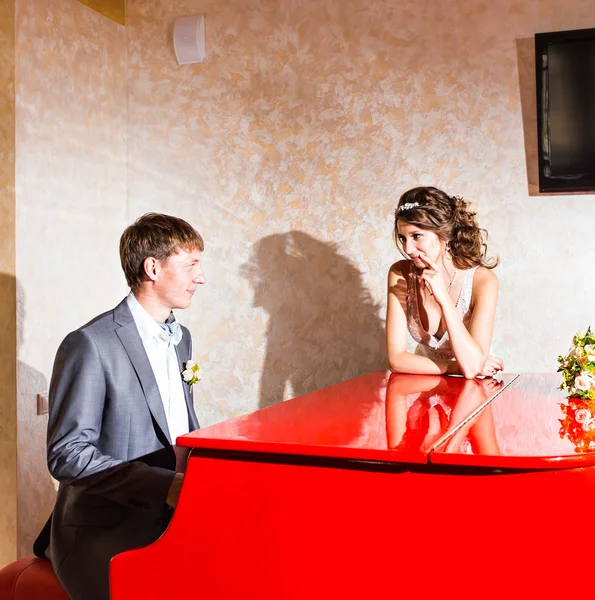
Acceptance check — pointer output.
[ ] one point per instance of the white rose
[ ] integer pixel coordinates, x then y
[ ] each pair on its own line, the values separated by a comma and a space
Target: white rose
197, 375
188, 374
190, 364
577, 352
582, 415
584, 382
589, 425
590, 350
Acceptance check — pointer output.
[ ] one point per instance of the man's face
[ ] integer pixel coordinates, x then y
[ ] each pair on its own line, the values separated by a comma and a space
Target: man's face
178, 278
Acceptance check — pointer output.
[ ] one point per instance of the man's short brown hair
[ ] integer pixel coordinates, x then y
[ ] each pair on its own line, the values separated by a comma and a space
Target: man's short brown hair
158, 236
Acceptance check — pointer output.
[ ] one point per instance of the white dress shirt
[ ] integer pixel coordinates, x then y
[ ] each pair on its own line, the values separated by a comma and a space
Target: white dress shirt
164, 362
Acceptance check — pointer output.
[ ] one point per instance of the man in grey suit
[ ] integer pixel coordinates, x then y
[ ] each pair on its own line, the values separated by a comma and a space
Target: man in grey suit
117, 403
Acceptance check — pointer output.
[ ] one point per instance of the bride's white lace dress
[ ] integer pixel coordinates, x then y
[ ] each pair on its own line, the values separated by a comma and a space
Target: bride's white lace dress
426, 344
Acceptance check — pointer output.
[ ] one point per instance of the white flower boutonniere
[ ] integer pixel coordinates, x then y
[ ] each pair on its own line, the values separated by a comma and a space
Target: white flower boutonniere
191, 373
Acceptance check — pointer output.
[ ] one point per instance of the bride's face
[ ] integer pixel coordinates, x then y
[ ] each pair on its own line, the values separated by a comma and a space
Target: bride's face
415, 240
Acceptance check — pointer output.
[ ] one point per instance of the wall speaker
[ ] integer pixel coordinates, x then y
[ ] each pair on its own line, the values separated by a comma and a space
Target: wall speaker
189, 39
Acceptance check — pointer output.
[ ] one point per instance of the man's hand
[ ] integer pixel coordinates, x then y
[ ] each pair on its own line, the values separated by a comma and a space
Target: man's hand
174, 490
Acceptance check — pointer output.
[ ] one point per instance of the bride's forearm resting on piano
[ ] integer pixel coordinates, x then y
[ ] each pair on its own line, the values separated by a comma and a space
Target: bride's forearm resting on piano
406, 362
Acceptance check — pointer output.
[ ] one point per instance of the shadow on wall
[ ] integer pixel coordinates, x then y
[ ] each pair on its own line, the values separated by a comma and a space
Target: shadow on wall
324, 325
35, 487
8, 435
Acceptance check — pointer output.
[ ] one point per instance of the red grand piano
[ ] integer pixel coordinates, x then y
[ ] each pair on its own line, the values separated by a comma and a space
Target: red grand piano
397, 486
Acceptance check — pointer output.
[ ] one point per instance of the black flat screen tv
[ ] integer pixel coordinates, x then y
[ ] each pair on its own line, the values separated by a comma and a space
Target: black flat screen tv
565, 69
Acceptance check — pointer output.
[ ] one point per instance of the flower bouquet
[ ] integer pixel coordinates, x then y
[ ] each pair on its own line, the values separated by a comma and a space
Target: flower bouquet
578, 372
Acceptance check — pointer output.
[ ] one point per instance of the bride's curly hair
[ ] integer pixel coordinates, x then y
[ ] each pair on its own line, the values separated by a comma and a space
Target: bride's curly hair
451, 219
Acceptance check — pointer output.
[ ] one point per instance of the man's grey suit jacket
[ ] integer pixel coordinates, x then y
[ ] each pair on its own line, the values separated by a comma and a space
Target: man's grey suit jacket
110, 449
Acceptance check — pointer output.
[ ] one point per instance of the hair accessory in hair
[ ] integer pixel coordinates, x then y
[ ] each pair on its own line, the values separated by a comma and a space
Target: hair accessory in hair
408, 206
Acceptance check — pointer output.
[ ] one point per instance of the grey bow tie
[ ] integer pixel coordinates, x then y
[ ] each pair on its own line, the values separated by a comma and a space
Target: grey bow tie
172, 332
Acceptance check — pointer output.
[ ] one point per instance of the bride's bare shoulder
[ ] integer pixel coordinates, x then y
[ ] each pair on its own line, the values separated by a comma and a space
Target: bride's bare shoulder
484, 278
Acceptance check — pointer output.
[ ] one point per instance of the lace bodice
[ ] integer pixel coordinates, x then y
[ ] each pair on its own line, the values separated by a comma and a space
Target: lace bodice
428, 345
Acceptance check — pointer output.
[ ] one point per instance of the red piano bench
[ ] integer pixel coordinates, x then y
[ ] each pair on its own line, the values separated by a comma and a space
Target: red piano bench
30, 578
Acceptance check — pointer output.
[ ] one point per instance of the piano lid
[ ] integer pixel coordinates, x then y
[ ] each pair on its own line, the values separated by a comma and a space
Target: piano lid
529, 425
383, 417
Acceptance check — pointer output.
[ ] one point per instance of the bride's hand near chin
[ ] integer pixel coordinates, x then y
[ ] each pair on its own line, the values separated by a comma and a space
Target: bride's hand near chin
491, 367
431, 279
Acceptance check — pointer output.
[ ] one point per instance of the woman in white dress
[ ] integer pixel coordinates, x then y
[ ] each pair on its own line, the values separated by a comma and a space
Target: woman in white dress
443, 296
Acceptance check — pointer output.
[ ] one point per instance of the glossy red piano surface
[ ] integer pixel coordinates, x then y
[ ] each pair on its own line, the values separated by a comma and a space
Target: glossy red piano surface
519, 429
406, 486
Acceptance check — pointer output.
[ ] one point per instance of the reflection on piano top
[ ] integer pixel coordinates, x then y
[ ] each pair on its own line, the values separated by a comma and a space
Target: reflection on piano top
345, 420
411, 418
521, 428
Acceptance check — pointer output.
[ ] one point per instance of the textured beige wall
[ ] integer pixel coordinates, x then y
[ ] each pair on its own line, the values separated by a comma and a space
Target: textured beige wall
8, 413
290, 146
71, 199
